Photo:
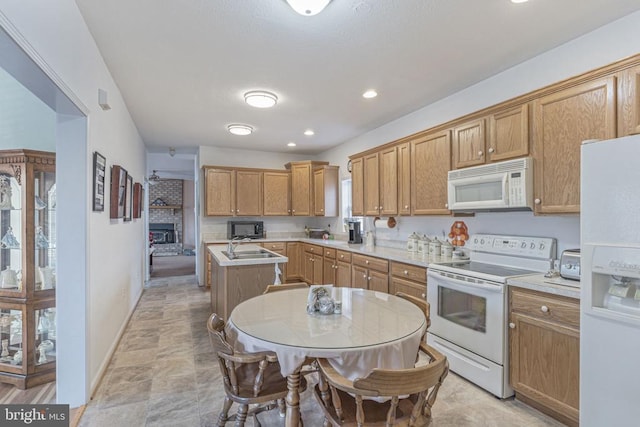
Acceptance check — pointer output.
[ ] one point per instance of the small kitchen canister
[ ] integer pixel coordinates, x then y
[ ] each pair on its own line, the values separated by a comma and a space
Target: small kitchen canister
446, 249
424, 245
434, 247
412, 242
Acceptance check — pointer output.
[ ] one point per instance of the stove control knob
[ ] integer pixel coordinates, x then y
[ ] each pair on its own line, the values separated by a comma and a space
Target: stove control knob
475, 241
482, 241
523, 245
541, 246
533, 245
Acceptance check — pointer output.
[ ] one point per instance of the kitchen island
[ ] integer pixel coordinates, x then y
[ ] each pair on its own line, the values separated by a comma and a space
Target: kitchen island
236, 279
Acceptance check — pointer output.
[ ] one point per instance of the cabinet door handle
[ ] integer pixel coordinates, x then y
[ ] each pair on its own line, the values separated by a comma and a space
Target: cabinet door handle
369, 278
537, 201
406, 273
544, 309
341, 256
366, 261
294, 211
491, 150
512, 325
424, 295
446, 205
480, 153
406, 206
380, 207
364, 275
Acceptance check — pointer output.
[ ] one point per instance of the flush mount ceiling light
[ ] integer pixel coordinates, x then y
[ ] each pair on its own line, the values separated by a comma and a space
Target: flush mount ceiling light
238, 129
370, 94
309, 132
260, 99
291, 144
519, 1
308, 7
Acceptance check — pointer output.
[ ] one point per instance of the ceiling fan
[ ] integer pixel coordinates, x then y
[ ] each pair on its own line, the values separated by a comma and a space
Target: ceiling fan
154, 178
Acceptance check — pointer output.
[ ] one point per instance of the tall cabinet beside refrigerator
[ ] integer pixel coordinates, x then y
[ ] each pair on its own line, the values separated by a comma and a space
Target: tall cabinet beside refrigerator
610, 281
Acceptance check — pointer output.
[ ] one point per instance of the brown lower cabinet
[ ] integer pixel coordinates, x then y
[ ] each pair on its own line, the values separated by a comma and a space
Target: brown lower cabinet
370, 273
544, 341
294, 266
313, 264
408, 279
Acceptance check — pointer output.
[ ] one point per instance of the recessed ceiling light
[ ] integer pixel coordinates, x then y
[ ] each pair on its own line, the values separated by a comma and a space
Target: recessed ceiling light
370, 94
309, 132
291, 144
308, 7
238, 129
260, 99
519, 1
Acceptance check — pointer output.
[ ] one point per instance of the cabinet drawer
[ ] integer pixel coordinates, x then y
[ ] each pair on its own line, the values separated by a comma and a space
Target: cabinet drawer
313, 249
343, 256
408, 287
370, 262
274, 246
408, 271
329, 253
548, 307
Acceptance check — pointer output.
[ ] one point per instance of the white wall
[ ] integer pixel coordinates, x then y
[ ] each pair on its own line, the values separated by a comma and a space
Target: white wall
25, 121
56, 32
600, 47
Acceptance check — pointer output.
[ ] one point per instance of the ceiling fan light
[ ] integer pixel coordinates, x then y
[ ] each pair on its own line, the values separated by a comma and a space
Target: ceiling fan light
238, 129
308, 7
154, 178
260, 99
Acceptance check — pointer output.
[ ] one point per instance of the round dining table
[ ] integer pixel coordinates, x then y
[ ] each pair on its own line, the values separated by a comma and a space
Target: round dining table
373, 330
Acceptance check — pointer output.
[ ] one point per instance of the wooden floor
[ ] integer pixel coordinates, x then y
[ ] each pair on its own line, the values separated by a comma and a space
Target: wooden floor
42, 394
45, 393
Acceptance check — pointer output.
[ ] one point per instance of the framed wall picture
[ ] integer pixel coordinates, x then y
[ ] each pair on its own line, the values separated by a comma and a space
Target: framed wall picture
128, 199
137, 200
99, 171
118, 190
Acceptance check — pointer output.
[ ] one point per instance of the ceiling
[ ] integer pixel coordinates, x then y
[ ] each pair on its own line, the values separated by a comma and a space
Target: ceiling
183, 66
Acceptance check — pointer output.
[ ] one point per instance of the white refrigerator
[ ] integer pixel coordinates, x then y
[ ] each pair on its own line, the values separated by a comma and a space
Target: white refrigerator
610, 283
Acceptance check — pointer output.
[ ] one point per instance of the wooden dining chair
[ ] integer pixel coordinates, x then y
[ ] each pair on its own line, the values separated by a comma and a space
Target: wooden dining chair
285, 286
421, 303
409, 394
249, 378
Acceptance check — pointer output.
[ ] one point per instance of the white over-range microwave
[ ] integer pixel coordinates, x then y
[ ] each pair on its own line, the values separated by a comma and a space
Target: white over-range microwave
494, 187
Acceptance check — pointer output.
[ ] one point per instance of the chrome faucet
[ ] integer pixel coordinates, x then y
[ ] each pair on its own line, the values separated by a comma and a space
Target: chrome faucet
233, 243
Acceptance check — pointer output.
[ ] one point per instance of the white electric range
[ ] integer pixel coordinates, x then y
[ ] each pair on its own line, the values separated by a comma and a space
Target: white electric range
469, 304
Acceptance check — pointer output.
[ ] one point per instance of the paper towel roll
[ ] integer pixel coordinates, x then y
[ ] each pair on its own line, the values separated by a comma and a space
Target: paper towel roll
384, 222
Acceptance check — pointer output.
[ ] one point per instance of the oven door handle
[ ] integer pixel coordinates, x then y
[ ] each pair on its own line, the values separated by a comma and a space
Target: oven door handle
484, 286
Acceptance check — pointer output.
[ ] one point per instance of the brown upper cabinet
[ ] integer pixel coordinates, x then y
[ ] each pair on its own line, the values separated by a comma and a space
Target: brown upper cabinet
507, 137
380, 183
468, 144
357, 186
325, 191
629, 101
302, 187
561, 121
231, 192
508, 134
404, 179
276, 191
430, 164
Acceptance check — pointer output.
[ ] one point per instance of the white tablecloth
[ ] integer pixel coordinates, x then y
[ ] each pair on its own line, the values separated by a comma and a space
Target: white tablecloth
375, 330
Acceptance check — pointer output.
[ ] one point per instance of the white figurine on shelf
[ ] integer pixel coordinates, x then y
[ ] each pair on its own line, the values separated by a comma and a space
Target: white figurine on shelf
9, 240
5, 348
41, 240
5, 193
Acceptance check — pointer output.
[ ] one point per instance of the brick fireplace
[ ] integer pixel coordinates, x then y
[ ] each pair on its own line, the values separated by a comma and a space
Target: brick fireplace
165, 216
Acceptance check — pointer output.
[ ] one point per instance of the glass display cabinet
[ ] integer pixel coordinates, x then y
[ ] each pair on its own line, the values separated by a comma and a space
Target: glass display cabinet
27, 267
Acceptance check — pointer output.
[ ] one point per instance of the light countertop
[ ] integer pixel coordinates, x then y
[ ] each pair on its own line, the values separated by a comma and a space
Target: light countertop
223, 261
392, 254
555, 286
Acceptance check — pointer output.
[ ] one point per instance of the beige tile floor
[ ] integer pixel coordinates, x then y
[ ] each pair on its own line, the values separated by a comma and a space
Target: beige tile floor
163, 373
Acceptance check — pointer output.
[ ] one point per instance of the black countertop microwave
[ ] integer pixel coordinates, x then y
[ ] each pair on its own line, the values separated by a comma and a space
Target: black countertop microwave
250, 229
